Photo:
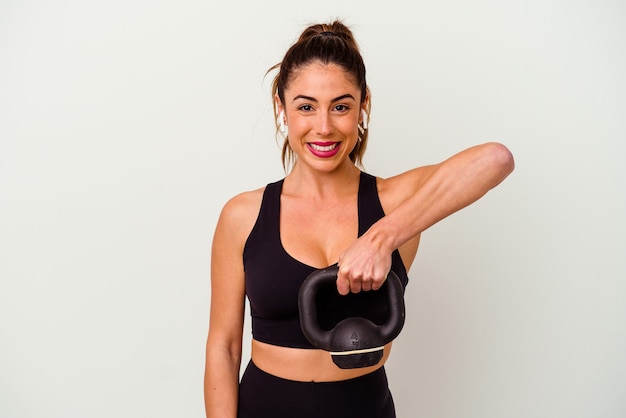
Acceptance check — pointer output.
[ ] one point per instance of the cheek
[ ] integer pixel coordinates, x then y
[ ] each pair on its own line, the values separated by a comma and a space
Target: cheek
350, 127
298, 126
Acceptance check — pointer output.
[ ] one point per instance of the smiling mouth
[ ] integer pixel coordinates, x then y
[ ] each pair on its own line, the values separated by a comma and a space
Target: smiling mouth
324, 147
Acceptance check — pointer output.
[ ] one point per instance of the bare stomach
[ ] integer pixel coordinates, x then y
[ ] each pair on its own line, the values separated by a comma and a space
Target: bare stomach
305, 365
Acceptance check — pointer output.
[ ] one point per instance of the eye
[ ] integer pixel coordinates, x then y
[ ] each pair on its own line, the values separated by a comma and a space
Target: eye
342, 108
306, 108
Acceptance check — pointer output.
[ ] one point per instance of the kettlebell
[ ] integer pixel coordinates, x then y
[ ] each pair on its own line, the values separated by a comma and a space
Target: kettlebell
354, 342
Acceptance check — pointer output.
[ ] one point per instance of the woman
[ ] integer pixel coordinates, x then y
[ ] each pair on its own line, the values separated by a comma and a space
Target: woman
268, 240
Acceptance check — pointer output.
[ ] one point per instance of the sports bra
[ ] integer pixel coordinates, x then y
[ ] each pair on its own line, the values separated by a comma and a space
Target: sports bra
273, 277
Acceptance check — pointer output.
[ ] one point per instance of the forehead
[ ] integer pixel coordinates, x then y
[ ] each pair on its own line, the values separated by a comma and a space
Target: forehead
321, 78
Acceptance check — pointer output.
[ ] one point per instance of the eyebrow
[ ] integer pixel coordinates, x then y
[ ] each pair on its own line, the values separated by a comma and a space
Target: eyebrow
313, 99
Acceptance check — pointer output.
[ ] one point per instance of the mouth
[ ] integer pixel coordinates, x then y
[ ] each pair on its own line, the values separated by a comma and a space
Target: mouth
324, 149
323, 146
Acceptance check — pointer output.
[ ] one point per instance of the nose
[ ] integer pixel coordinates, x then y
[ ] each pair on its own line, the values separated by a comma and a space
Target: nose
324, 126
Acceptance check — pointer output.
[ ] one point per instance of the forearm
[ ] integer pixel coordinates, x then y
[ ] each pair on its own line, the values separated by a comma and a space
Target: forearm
221, 384
451, 186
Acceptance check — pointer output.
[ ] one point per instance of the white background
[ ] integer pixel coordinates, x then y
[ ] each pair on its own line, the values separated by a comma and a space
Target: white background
126, 125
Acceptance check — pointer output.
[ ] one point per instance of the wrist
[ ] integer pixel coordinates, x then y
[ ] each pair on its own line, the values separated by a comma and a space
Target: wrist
382, 235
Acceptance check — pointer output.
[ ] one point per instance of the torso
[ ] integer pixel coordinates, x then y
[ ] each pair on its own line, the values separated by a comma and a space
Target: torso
304, 364
304, 230
305, 237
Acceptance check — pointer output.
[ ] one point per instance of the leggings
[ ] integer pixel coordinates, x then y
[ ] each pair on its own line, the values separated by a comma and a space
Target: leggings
262, 395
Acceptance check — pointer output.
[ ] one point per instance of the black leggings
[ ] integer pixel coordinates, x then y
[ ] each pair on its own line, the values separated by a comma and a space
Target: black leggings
262, 395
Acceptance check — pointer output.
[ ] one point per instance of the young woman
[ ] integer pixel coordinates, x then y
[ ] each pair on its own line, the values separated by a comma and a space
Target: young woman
325, 211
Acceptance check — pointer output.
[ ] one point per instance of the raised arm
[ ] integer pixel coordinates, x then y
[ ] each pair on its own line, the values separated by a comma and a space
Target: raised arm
414, 201
223, 350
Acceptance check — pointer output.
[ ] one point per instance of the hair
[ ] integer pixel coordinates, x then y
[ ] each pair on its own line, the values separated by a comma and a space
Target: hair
327, 43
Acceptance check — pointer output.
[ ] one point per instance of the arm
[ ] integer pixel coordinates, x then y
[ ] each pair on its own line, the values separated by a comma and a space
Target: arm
223, 350
415, 200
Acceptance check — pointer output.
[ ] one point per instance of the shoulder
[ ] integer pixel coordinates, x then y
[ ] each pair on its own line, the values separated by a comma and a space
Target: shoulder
244, 201
392, 191
238, 215
242, 206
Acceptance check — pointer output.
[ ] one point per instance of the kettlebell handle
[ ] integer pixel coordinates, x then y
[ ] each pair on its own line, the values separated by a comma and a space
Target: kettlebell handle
308, 308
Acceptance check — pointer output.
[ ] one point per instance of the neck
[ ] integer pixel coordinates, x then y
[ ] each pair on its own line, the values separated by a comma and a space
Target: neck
306, 181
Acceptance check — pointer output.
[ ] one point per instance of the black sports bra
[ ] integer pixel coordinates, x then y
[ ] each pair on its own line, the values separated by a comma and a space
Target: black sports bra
273, 277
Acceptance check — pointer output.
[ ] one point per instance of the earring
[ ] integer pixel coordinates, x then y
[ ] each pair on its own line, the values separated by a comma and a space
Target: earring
363, 125
281, 122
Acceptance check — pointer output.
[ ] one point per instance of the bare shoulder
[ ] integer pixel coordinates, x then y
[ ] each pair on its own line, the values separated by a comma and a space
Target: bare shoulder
392, 191
243, 205
239, 215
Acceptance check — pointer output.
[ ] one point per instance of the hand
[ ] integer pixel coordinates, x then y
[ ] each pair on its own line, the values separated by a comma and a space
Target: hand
363, 266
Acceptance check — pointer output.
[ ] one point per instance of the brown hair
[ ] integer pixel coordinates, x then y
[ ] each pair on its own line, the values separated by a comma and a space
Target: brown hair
328, 43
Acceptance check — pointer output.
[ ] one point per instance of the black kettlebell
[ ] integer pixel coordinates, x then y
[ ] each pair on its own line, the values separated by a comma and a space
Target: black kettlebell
355, 341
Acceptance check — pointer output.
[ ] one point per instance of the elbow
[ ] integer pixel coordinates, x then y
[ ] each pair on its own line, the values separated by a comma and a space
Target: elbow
226, 353
501, 159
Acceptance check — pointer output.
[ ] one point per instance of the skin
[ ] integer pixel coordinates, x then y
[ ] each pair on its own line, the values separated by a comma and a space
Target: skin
318, 225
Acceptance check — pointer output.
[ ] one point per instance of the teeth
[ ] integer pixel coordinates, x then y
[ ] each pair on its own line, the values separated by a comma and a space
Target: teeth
325, 148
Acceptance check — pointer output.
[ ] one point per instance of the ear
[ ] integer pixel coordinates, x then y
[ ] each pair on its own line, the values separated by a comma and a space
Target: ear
366, 103
364, 111
278, 105
364, 117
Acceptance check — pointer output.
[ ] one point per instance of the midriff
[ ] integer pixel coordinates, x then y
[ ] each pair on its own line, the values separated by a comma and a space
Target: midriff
305, 365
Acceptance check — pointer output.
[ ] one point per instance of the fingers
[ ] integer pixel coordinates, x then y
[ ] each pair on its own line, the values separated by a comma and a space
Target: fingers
349, 281
362, 267
356, 286
343, 285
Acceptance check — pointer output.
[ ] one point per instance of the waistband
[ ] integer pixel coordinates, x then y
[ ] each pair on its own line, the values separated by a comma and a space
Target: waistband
378, 375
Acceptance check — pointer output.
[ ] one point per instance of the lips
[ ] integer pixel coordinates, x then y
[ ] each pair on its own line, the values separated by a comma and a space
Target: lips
324, 149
